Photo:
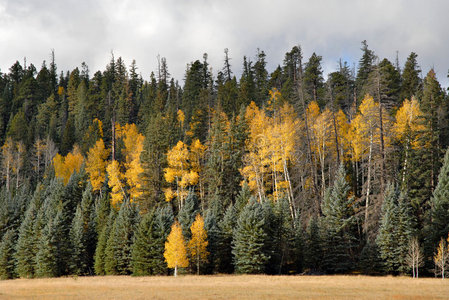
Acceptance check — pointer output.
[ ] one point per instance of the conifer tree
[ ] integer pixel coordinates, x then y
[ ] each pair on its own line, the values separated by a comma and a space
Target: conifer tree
226, 227
7, 257
148, 247
187, 213
339, 225
438, 226
213, 235
118, 247
313, 250
249, 240
175, 250
100, 250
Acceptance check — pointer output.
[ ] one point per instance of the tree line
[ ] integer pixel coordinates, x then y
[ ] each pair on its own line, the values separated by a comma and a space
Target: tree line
277, 173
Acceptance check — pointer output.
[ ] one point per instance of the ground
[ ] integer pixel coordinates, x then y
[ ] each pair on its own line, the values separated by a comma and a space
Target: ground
226, 287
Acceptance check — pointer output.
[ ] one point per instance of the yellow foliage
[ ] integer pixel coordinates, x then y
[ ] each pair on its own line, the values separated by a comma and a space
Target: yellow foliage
96, 164
198, 243
181, 117
169, 194
270, 147
175, 253
65, 166
408, 125
115, 183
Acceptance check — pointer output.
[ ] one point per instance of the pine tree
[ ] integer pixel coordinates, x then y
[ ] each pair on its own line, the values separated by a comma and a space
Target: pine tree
7, 257
226, 227
119, 244
141, 249
148, 247
411, 82
187, 213
175, 250
313, 250
100, 250
249, 240
438, 226
213, 236
339, 225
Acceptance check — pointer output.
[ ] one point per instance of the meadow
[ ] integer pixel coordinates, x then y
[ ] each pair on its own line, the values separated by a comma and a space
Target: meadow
226, 287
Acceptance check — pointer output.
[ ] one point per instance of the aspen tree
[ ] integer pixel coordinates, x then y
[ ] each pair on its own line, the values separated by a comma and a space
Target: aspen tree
175, 250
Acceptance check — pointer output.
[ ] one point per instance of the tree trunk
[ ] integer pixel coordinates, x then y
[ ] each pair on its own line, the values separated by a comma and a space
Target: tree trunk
368, 184
176, 270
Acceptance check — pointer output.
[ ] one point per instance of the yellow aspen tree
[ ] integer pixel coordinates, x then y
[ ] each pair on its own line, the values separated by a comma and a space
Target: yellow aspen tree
196, 156
441, 257
115, 183
175, 253
257, 158
322, 142
133, 142
198, 243
7, 160
65, 166
408, 129
96, 164
178, 170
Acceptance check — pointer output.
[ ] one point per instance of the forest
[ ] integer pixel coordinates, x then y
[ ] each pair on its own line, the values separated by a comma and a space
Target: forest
278, 172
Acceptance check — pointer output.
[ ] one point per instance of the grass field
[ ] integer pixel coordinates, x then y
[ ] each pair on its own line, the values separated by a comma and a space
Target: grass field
226, 287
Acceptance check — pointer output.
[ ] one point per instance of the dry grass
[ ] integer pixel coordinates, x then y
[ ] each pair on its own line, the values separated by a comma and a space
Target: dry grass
226, 287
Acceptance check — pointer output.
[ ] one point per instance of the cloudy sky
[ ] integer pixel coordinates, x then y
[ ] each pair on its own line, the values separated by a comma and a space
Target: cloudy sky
182, 31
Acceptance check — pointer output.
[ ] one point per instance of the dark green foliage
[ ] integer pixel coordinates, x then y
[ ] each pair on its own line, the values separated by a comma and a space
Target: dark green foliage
339, 225
213, 238
411, 81
248, 244
188, 213
118, 247
100, 250
438, 226
395, 231
226, 227
313, 80
83, 236
7, 258
365, 68
313, 251
149, 243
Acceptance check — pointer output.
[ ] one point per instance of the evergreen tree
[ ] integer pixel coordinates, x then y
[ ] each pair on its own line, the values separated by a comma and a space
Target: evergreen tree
187, 213
213, 237
339, 225
100, 250
118, 247
249, 239
438, 226
7, 257
313, 251
148, 247
226, 226
365, 68
411, 81
313, 80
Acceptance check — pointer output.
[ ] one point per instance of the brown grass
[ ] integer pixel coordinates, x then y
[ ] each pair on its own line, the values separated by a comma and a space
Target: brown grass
226, 287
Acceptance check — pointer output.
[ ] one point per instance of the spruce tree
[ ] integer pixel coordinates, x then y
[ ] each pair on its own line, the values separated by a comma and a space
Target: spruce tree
100, 250
248, 244
438, 225
7, 257
187, 213
118, 247
26, 246
313, 251
387, 236
213, 237
339, 225
226, 227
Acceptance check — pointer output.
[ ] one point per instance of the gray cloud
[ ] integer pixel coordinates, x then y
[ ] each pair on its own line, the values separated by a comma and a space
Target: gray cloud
183, 30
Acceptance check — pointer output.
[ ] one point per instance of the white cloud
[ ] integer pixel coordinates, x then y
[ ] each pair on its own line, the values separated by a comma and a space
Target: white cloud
183, 30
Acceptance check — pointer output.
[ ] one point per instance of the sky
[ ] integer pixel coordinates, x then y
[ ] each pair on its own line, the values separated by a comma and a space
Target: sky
181, 31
